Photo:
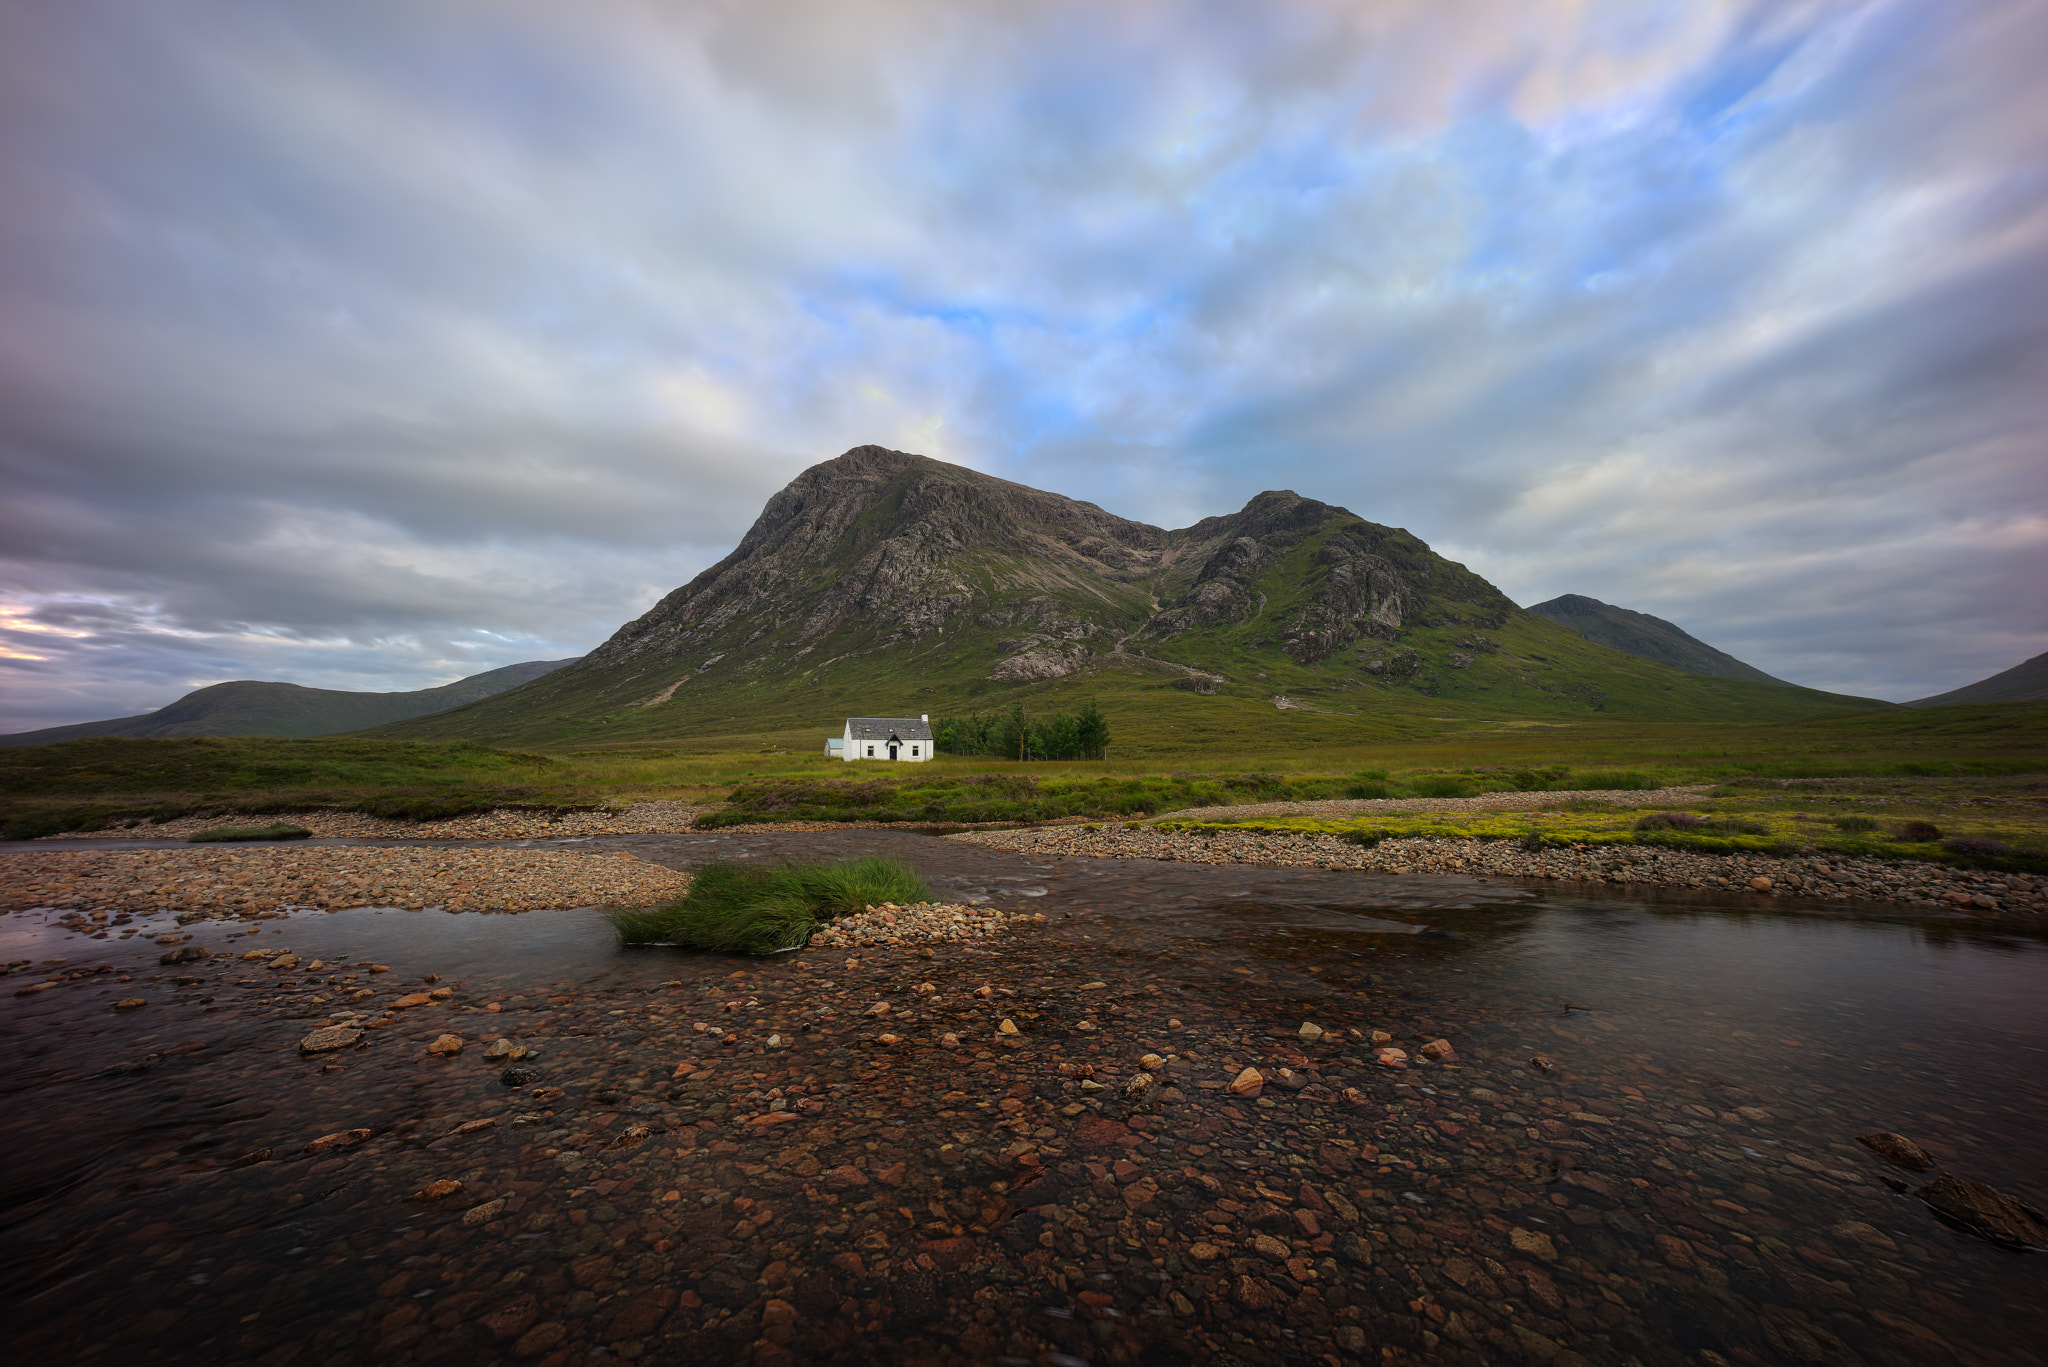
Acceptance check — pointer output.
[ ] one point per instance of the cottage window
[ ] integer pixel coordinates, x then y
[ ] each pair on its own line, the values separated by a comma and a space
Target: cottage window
913, 752
871, 752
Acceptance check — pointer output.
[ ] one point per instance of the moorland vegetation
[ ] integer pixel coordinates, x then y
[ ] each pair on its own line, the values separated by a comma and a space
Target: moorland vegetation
1971, 773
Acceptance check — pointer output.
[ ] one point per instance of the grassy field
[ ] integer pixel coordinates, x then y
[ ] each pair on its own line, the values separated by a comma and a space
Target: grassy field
88, 784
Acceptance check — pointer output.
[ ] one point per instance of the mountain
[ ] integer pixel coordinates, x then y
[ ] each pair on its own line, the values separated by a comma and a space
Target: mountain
882, 583
1653, 638
248, 707
2024, 682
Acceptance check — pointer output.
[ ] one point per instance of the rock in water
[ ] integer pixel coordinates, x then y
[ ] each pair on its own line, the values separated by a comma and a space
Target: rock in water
519, 1077
328, 1040
1987, 1211
437, 1191
1898, 1149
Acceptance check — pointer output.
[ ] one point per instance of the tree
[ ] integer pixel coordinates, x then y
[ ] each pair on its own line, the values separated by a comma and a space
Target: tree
1092, 732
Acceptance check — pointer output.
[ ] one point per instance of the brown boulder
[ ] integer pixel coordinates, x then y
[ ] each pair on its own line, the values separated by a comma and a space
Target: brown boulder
1253, 1294
437, 1191
1986, 1211
1898, 1149
340, 1139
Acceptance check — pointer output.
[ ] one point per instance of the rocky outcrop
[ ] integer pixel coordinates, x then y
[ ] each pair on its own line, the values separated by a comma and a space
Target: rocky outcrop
877, 539
1037, 664
1362, 580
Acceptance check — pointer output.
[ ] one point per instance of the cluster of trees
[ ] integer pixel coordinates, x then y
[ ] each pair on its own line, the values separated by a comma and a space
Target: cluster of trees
1013, 735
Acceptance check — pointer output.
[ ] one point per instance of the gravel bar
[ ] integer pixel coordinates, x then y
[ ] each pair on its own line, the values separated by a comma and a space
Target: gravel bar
1913, 883
505, 823
216, 882
1481, 802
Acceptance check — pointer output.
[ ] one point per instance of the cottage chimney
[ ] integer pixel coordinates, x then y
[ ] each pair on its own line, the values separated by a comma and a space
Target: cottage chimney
925, 717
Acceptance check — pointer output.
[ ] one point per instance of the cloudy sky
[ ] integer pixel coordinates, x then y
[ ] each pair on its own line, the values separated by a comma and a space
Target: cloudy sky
373, 343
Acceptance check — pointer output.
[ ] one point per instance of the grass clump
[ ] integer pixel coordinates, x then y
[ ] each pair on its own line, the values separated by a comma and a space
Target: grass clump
279, 831
735, 908
1670, 821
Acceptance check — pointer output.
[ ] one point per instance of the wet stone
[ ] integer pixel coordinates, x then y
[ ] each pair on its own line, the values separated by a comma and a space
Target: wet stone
1988, 1212
1896, 1148
330, 1039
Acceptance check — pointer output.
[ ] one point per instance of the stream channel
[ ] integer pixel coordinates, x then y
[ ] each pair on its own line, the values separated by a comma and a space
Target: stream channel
1677, 1182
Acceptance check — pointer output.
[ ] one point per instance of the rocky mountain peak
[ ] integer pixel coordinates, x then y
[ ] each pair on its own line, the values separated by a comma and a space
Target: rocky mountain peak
880, 548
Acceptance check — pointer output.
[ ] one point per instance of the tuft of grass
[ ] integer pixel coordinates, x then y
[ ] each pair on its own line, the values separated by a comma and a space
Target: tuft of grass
832, 890
1855, 823
735, 908
280, 831
1917, 833
1670, 821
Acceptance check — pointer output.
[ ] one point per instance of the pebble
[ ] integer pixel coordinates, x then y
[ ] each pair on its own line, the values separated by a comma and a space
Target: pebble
919, 923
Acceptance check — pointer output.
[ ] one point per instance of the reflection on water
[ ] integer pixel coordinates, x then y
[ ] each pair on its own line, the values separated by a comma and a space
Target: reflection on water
1681, 1185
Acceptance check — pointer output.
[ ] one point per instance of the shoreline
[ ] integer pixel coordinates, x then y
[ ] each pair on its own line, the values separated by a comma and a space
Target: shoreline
1108, 1148
1916, 885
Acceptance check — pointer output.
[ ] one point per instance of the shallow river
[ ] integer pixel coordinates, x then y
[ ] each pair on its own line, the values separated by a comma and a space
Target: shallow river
1681, 1185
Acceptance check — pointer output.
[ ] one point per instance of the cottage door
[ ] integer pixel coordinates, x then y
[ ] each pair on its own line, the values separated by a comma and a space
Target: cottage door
892, 752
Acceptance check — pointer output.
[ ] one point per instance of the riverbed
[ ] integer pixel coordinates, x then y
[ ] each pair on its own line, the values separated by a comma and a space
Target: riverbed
1642, 1144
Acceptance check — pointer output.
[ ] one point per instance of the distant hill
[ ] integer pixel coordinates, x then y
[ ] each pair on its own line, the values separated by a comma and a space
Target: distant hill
887, 584
1653, 638
2024, 682
248, 707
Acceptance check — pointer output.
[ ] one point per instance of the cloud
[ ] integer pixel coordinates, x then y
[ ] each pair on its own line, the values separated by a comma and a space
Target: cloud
371, 345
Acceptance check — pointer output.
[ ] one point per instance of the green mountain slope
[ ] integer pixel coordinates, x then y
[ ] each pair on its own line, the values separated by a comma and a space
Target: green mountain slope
247, 707
2024, 682
882, 583
1653, 638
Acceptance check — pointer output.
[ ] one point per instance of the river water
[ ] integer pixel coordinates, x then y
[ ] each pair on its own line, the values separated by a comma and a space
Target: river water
1677, 1182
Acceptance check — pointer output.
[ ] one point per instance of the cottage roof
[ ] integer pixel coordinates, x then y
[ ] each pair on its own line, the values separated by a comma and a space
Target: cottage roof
905, 729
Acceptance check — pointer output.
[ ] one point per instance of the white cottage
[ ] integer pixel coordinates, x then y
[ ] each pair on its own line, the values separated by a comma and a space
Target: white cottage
885, 738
